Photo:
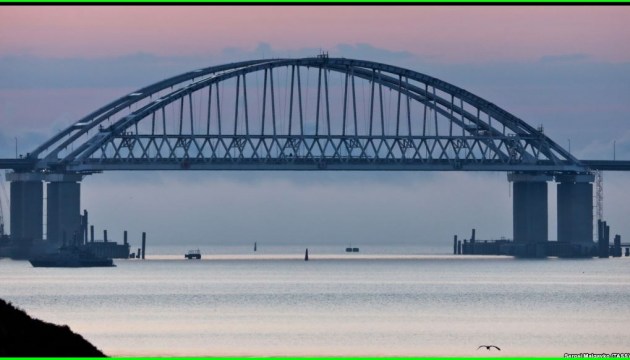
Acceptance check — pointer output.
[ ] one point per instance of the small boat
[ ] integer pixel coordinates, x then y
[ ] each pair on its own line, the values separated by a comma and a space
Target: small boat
352, 249
193, 254
71, 256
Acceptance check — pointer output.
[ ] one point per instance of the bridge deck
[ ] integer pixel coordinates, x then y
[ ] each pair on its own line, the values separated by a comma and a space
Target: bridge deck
16, 164
603, 165
608, 165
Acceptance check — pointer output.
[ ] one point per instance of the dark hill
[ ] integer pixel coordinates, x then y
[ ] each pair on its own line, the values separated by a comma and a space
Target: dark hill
21, 335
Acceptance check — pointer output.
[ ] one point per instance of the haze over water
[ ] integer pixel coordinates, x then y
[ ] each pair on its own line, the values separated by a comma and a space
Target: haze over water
377, 302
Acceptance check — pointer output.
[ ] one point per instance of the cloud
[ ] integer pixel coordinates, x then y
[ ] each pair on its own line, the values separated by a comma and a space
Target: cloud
564, 58
366, 51
140, 69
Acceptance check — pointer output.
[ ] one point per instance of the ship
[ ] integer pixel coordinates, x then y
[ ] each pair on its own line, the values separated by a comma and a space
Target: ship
193, 254
71, 256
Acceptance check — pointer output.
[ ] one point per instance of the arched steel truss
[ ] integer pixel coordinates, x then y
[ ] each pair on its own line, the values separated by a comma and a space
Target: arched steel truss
366, 116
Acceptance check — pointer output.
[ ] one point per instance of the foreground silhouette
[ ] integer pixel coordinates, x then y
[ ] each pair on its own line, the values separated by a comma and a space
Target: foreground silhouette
21, 335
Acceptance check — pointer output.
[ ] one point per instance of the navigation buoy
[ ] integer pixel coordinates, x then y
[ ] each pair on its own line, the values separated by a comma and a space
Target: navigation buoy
306, 255
254, 246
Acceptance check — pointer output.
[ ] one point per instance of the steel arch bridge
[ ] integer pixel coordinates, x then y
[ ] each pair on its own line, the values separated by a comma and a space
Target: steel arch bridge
315, 113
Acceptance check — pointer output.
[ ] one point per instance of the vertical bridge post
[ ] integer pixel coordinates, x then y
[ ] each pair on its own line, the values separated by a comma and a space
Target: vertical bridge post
63, 206
575, 213
27, 209
529, 216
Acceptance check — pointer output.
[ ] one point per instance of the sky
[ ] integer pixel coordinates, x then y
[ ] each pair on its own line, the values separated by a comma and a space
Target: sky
566, 68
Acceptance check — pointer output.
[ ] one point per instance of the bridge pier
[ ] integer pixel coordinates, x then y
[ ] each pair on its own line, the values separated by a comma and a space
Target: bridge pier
529, 216
26, 208
575, 213
63, 220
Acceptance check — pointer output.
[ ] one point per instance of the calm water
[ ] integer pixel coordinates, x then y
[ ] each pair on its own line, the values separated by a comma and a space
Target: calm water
355, 304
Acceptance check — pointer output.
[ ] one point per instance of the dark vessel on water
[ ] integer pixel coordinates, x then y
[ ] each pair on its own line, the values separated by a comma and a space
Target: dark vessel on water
352, 249
71, 256
193, 254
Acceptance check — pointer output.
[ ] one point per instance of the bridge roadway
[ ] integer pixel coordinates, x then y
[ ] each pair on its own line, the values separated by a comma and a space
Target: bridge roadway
608, 165
16, 164
20, 165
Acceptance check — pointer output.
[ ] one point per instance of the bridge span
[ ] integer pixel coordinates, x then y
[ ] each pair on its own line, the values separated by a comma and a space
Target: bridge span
20, 165
607, 165
318, 114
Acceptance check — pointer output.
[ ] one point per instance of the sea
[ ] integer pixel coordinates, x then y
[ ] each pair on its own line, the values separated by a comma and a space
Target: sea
377, 302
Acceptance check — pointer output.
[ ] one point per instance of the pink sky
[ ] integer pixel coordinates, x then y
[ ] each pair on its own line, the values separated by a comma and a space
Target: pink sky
449, 33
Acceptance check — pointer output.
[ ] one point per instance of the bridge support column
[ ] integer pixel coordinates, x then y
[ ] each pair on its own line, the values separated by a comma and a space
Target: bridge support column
63, 222
575, 214
26, 208
529, 216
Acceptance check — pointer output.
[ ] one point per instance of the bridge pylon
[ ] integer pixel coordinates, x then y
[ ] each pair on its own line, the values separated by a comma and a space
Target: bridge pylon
26, 208
63, 208
575, 212
63, 203
574, 215
529, 213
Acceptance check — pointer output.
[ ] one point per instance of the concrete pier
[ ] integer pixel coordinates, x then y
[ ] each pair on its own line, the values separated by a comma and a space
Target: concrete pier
84, 227
603, 239
63, 206
530, 215
617, 246
27, 207
144, 244
575, 213
455, 245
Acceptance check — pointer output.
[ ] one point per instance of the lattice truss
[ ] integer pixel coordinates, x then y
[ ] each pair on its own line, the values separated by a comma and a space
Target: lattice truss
314, 111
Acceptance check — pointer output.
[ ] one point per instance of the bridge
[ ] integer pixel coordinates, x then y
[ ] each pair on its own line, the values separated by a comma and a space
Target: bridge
318, 114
